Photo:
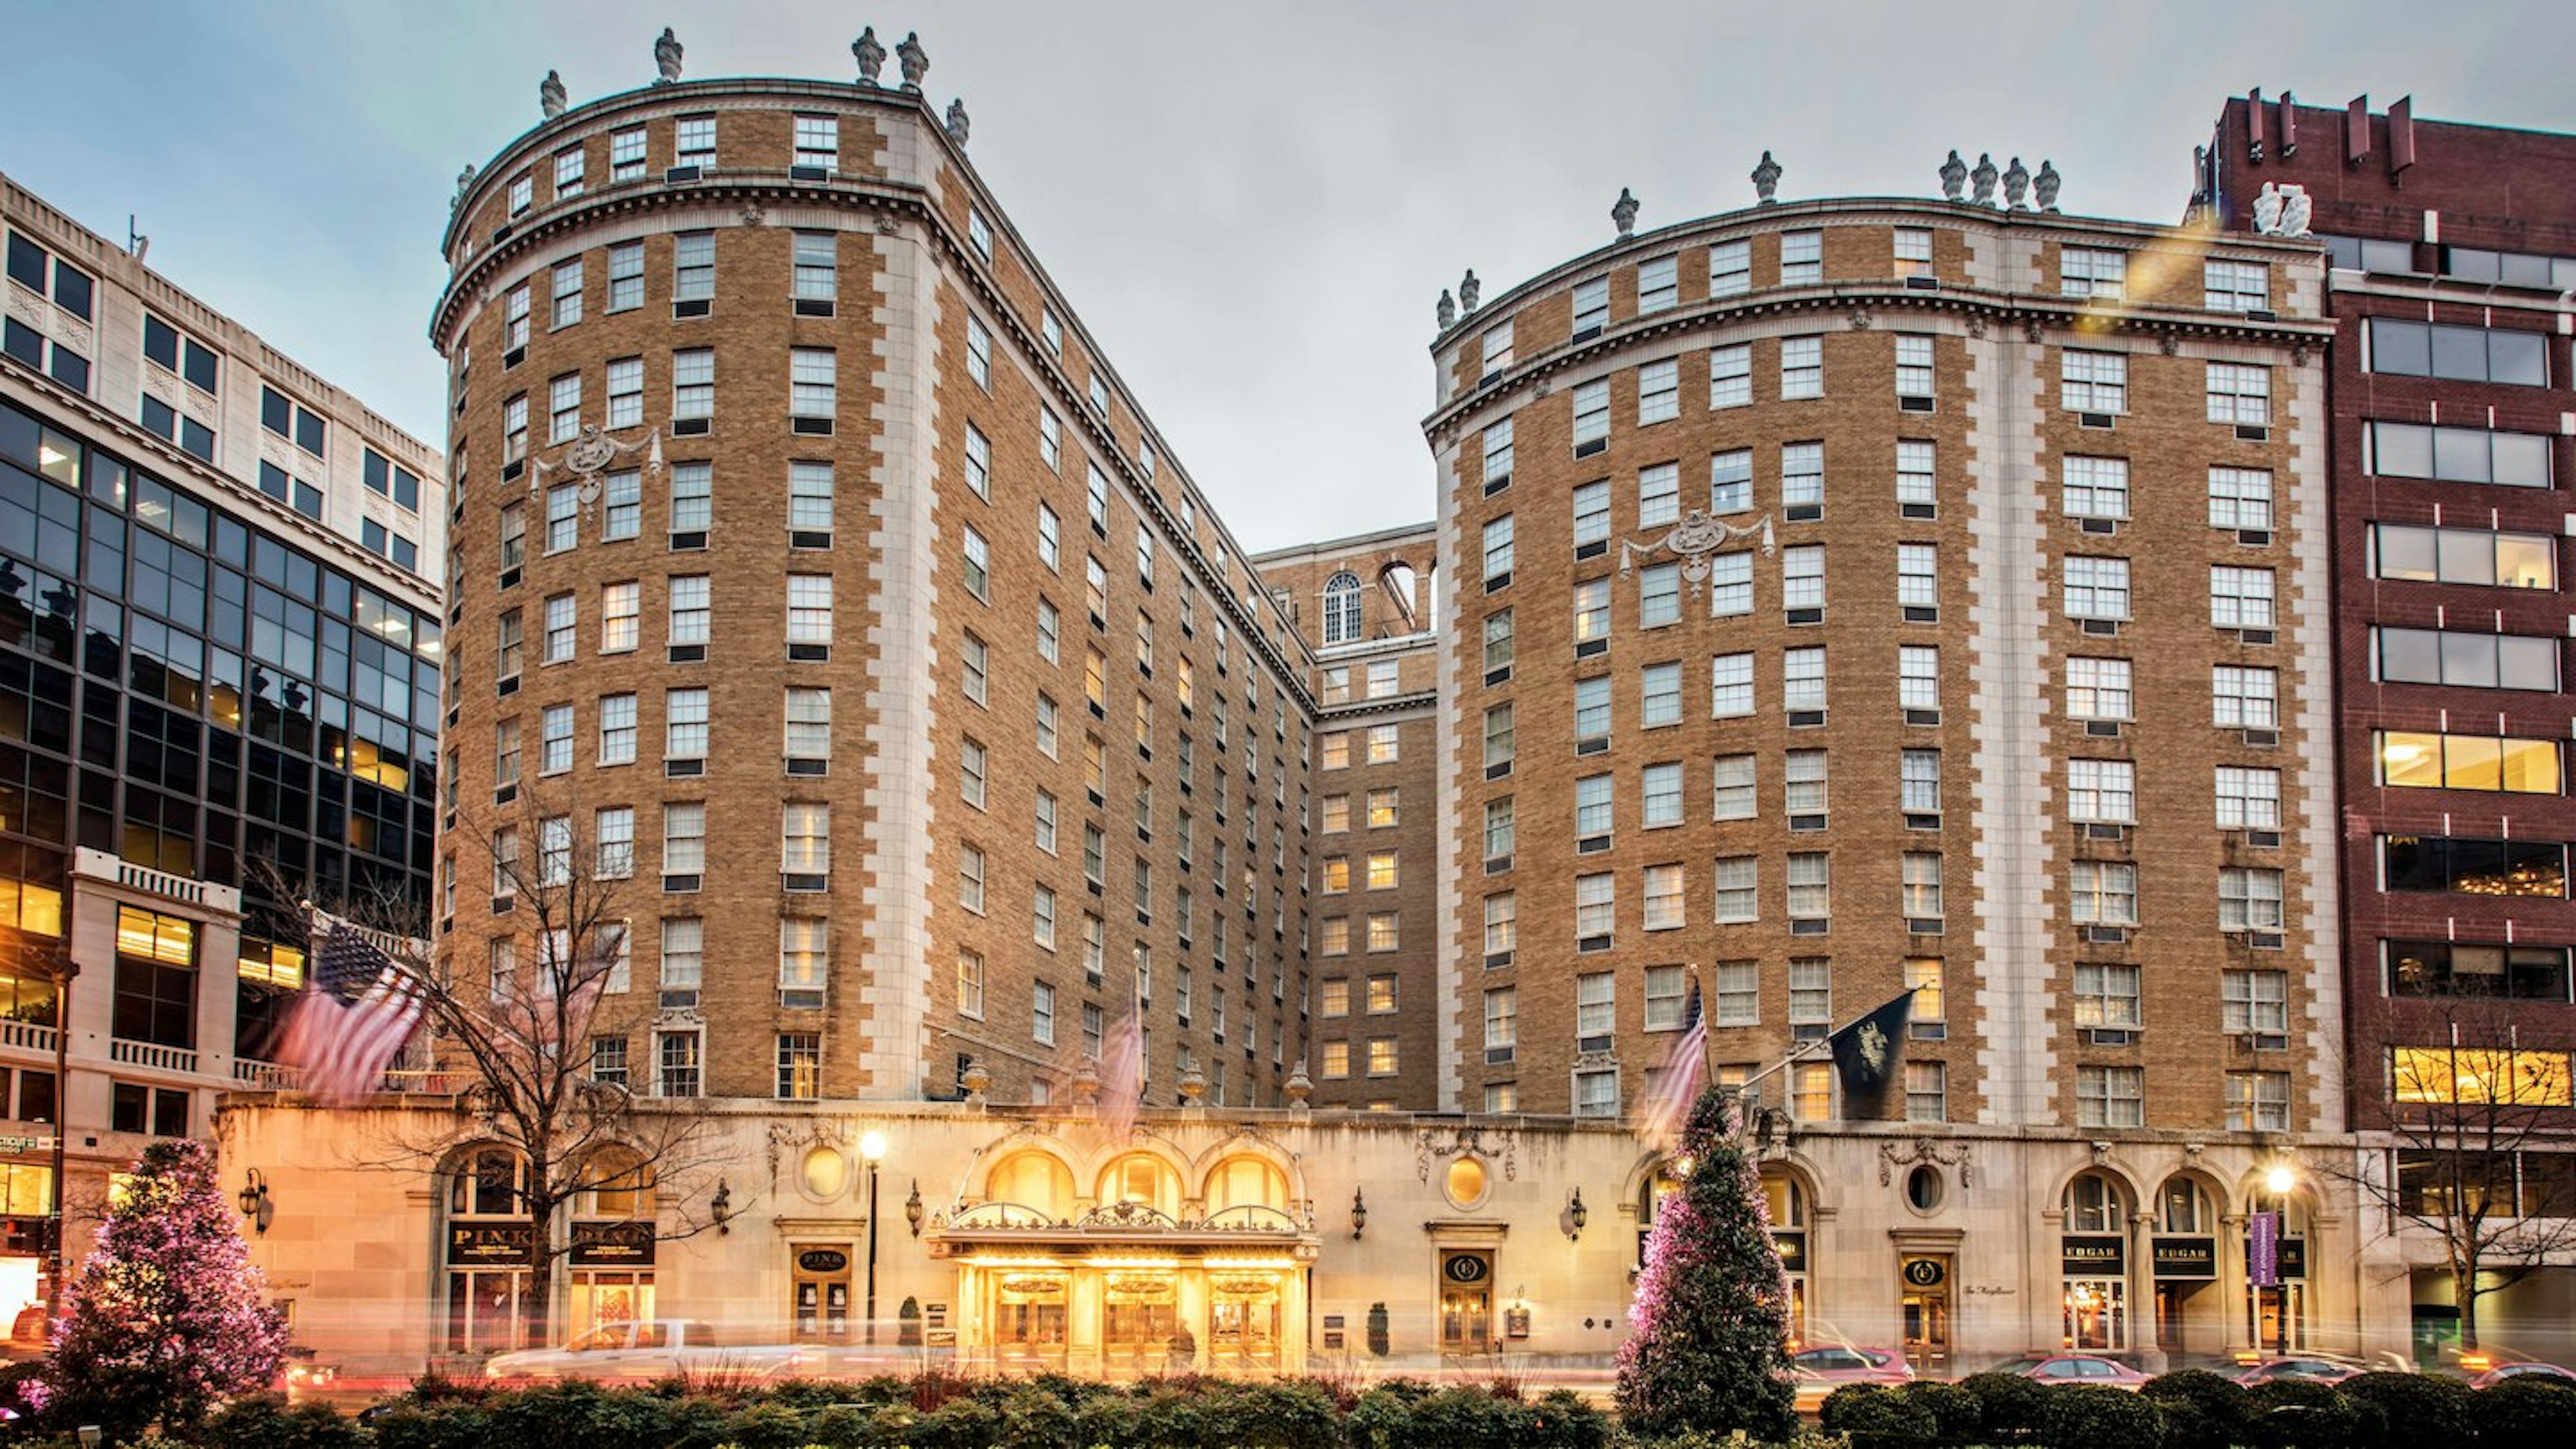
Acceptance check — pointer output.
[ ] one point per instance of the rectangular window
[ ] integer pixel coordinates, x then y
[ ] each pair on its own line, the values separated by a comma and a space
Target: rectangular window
563, 409
809, 609
1811, 991
1591, 711
1802, 481
816, 276
1927, 1092
1730, 376
1659, 695
1802, 367
1498, 455
2244, 698
1596, 906
2471, 866
2464, 659
567, 293
2468, 762
2096, 588
809, 731
1730, 585
1732, 777
684, 732
1918, 782
2248, 799
619, 605
683, 961
804, 961
2249, 899
1596, 1006
1918, 677
2240, 394
1591, 611
1802, 679
2097, 689
1811, 882
2110, 1096
1738, 881
2258, 1101
812, 387
1591, 417
1913, 250
1498, 742
1655, 285
1502, 1024
2103, 893
1659, 397
2240, 598
1738, 997
1916, 486
626, 155
1918, 577
1502, 930
2231, 286
625, 276
1920, 886
2459, 455
2469, 354
1498, 550
2092, 272
2093, 382
1913, 366
818, 141
691, 614
2102, 790
2463, 556
1802, 258
693, 266
693, 385
2240, 498
562, 623
1591, 307
1730, 686
1923, 978
1498, 351
695, 142
2106, 996
1730, 481
1591, 513
1730, 269
2096, 487
1803, 788
979, 353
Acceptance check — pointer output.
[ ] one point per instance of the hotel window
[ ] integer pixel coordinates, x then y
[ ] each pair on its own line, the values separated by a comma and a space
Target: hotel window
1802, 258
554, 851
1594, 812
1382, 744
1596, 1009
1802, 481
2091, 272
2464, 556
816, 277
563, 517
1730, 481
1502, 923
1382, 870
625, 276
1591, 307
1596, 906
1802, 679
818, 141
2110, 1096
800, 1066
1382, 807
2096, 487
979, 235
1591, 513
613, 833
2096, 588
2240, 498
2102, 790
1730, 585
1918, 577
1498, 455
626, 155
2465, 659
1502, 1024
1730, 269
562, 629
1802, 367
1498, 742
2459, 455
523, 192
1591, 715
1804, 788
506, 647
974, 665
1732, 777
1738, 882
1499, 830
979, 353
683, 962
2097, 689
2227, 286
696, 141
809, 735
563, 409
1811, 1092
1383, 679
1811, 881
677, 1066
2240, 598
1913, 251
1659, 695
1337, 1060
684, 724
978, 576
1918, 782
1381, 937
2244, 698
2103, 893
970, 878
805, 842
625, 395
1923, 978
2468, 762
1918, 676
1095, 488
1659, 397
2248, 799
693, 266
2093, 382
1916, 487
1662, 795
2106, 996
1381, 1055
1659, 494
1663, 897
809, 609
1802, 578
1730, 376
2249, 899
812, 386
619, 605
1047, 713
1811, 994
693, 386
514, 429
690, 611
2470, 354
2240, 395
1655, 285
2258, 1101
567, 293
1738, 995
1498, 350
1591, 417
1498, 550
1730, 686
1913, 366
1921, 885
1927, 1092
1591, 612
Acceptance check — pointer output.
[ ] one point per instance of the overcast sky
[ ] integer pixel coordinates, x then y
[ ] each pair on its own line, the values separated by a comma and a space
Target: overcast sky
1254, 208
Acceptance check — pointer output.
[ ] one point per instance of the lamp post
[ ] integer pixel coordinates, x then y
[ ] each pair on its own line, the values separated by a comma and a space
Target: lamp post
64, 969
2280, 1180
872, 1147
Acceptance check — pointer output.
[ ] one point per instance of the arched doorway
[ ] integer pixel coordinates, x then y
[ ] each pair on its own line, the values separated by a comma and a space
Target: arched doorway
2093, 1251
2183, 1253
484, 1250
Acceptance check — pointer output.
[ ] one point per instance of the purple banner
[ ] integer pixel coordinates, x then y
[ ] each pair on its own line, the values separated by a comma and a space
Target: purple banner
2263, 1250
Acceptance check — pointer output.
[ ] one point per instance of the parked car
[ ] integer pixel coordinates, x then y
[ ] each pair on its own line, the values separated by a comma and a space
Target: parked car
2081, 1368
640, 1352
2301, 1368
2532, 1370
1826, 1367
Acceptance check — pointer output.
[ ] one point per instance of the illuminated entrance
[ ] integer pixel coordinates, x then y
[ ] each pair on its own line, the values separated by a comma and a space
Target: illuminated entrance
1157, 1270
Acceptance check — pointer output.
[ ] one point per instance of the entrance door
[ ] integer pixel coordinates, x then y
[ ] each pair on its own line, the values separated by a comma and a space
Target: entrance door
1466, 1303
1925, 1303
1141, 1316
1243, 1330
1028, 1322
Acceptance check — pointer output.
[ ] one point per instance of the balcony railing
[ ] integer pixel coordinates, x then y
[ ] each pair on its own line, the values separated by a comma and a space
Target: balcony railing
151, 1055
31, 1035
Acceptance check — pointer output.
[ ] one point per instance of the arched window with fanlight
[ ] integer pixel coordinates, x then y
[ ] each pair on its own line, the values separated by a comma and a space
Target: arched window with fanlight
2094, 1253
1342, 608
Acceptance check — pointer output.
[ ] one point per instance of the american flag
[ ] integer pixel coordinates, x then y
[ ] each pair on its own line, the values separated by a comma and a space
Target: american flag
1668, 1101
1122, 1074
357, 1016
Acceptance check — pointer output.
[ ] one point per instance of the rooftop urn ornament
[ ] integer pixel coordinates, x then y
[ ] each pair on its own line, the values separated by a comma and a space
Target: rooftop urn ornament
464, 183
1624, 211
1448, 311
1766, 180
2295, 210
957, 119
550, 95
1954, 177
1983, 178
2016, 184
2267, 210
1469, 289
914, 59
871, 55
666, 57
2043, 188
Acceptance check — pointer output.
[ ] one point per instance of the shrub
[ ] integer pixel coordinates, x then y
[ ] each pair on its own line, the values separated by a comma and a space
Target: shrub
2009, 1406
2526, 1411
843, 1426
2288, 1414
437, 1423
2202, 1410
1382, 1419
1957, 1415
766, 1426
266, 1421
1878, 1417
1282, 1416
582, 1415
2420, 1410
962, 1423
2078, 1416
1032, 1418
1562, 1420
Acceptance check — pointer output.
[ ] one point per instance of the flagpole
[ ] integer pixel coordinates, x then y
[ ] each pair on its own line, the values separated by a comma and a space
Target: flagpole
1807, 1049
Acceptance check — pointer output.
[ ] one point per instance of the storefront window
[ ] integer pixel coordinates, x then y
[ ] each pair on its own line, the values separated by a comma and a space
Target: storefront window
2094, 1260
486, 1250
1785, 1197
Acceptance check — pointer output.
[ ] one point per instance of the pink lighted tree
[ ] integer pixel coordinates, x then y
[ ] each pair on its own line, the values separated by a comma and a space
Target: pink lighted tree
1709, 1328
167, 1315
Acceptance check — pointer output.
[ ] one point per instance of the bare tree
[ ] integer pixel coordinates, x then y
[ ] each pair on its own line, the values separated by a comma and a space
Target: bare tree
527, 1028
2480, 1157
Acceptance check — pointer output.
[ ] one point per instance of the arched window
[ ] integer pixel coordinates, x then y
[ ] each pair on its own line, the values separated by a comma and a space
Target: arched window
1141, 1177
1246, 1182
2182, 1206
1033, 1180
1342, 608
487, 1184
621, 1184
2094, 1205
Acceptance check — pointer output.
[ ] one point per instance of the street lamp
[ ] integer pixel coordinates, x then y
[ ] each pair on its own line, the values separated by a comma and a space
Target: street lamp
1576, 1215
872, 1147
2280, 1179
